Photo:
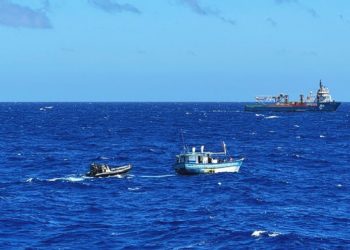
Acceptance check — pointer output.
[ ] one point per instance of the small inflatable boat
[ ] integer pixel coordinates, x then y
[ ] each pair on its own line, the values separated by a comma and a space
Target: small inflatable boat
104, 170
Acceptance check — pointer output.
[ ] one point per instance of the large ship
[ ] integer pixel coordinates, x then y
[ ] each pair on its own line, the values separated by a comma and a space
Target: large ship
321, 102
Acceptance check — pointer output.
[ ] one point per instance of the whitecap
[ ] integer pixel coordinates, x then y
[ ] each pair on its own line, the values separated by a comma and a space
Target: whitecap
29, 180
274, 234
272, 117
219, 183
297, 126
134, 189
339, 185
261, 233
322, 136
258, 115
258, 233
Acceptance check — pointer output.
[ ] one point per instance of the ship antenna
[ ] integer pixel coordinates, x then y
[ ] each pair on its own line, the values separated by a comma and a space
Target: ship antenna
183, 139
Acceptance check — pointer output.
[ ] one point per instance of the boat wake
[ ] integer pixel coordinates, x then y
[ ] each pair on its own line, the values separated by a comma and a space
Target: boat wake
59, 179
69, 179
157, 176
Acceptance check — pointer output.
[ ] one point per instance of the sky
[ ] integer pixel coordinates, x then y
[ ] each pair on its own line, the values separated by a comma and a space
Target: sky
172, 50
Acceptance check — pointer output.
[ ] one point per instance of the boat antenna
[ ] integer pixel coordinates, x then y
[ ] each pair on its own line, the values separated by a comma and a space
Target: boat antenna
224, 147
183, 139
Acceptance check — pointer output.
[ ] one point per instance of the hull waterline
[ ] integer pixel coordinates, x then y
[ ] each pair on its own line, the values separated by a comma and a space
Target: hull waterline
323, 107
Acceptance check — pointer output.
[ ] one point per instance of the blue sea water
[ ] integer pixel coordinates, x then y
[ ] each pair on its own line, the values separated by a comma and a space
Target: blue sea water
292, 192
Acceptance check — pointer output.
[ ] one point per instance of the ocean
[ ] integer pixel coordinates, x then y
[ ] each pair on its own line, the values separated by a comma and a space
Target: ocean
292, 191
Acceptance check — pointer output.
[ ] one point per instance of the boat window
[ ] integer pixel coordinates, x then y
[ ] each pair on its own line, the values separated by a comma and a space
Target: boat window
192, 158
205, 159
182, 159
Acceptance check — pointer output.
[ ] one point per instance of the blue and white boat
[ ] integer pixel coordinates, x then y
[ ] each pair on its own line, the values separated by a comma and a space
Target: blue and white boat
193, 162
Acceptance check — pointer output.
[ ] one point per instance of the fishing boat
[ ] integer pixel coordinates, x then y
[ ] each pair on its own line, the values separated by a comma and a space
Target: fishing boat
104, 170
202, 162
322, 102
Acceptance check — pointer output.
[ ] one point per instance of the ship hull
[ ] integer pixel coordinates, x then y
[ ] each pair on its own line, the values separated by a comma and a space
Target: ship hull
321, 107
192, 169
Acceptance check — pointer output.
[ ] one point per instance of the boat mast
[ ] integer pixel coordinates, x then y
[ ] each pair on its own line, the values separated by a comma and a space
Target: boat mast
221, 153
183, 140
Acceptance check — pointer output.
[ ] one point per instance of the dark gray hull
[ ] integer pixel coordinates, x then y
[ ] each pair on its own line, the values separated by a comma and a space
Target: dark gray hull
112, 172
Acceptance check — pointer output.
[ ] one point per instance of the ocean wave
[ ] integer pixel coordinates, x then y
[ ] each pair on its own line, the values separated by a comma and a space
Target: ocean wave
272, 117
261, 233
258, 233
29, 180
104, 158
46, 108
